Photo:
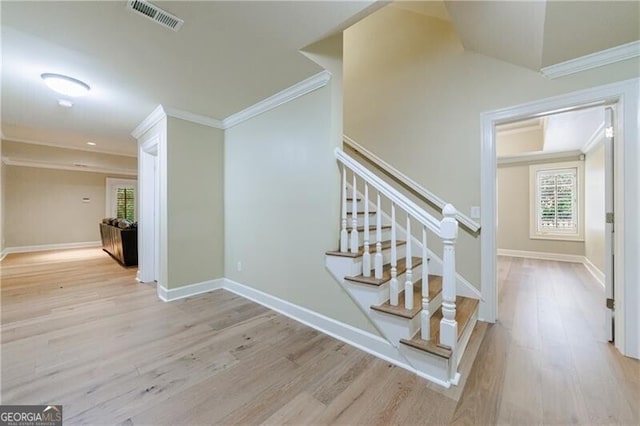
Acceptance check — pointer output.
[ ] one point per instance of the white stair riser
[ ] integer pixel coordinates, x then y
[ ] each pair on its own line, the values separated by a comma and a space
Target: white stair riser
466, 335
427, 363
394, 327
417, 272
372, 220
367, 295
386, 235
360, 205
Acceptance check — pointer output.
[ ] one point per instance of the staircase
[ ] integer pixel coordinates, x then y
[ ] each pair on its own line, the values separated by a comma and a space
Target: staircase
412, 300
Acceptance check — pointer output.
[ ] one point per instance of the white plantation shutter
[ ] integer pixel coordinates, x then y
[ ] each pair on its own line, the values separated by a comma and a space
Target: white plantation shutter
125, 203
557, 201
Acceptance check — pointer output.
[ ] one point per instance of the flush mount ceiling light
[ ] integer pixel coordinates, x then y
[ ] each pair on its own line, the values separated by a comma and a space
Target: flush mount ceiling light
66, 85
91, 143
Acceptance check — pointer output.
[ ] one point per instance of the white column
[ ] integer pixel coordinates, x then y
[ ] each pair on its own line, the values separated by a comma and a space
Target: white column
344, 235
378, 257
366, 257
408, 284
425, 317
393, 284
354, 217
449, 234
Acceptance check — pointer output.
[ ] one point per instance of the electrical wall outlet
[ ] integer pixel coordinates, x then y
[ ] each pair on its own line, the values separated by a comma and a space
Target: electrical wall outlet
475, 212
239, 266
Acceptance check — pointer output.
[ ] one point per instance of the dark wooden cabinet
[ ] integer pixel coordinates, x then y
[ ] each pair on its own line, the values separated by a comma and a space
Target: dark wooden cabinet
121, 244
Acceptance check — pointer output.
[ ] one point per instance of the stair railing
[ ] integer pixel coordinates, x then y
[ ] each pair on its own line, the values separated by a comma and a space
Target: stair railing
446, 229
425, 194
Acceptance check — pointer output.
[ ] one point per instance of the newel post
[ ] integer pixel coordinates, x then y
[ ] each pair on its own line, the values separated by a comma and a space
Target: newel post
449, 234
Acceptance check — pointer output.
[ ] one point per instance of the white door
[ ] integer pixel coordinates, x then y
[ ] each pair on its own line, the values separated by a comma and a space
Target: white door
609, 277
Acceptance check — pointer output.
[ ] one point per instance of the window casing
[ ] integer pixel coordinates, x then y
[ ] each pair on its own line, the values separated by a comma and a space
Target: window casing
556, 201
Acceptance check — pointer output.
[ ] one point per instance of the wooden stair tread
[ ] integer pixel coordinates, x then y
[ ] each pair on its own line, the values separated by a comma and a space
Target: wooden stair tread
372, 229
386, 272
385, 245
465, 307
435, 287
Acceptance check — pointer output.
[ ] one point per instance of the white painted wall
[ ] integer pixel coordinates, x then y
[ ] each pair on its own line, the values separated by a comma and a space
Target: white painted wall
45, 206
513, 143
514, 206
282, 205
195, 203
594, 207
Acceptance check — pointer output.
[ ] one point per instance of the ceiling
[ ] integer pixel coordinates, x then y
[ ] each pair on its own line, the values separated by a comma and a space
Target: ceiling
229, 55
558, 133
535, 34
226, 57
435, 9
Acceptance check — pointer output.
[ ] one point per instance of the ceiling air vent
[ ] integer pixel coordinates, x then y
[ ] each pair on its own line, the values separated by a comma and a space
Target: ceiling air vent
156, 14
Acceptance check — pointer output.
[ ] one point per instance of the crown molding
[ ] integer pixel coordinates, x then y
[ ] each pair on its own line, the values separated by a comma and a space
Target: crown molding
299, 89
596, 137
73, 148
152, 119
539, 156
194, 118
594, 60
59, 166
519, 130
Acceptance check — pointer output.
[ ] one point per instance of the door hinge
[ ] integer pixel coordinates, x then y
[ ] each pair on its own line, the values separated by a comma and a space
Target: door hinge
609, 217
610, 303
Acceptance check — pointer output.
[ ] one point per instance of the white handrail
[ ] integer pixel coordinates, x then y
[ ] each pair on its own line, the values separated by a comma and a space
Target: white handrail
391, 193
416, 187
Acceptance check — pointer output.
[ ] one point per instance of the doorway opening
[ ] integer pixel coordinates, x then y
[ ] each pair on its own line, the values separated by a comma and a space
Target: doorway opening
149, 208
554, 193
624, 96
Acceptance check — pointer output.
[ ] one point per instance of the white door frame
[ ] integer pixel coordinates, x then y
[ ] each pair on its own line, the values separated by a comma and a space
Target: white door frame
148, 227
627, 204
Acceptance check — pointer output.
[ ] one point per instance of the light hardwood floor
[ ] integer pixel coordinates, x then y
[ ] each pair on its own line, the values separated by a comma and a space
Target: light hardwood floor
78, 330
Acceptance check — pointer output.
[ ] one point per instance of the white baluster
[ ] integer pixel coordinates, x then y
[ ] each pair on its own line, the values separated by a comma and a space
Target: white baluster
366, 257
408, 284
354, 218
344, 235
425, 317
449, 233
378, 257
393, 284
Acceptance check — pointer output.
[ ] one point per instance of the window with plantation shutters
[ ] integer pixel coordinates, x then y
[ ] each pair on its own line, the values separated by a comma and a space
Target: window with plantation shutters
125, 203
555, 202
121, 199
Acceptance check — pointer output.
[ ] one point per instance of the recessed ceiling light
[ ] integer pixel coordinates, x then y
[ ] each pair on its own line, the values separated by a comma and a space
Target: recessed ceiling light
66, 85
65, 103
91, 143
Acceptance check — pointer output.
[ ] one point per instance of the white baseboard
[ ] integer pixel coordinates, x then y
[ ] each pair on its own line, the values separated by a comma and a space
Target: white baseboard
574, 258
595, 271
45, 247
3, 254
171, 294
360, 339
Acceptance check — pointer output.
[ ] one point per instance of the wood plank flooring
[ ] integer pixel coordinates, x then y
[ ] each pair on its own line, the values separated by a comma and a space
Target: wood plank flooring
78, 330
546, 360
